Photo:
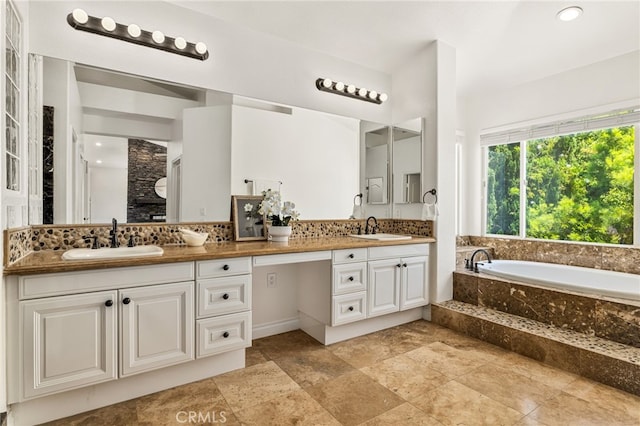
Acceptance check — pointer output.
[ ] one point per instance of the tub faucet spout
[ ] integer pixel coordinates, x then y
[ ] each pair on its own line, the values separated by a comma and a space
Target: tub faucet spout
474, 266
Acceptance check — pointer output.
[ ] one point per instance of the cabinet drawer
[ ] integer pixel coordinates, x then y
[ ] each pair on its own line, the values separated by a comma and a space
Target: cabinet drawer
406, 250
348, 308
222, 334
223, 267
350, 255
349, 277
224, 295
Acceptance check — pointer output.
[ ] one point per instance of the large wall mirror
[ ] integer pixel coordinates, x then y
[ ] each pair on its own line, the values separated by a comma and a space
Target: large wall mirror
407, 162
100, 142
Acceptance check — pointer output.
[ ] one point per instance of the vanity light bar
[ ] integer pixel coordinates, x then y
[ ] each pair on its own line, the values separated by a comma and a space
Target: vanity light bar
80, 20
350, 91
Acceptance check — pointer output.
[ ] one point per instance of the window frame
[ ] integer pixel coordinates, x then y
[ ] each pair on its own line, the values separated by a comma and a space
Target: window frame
19, 154
523, 188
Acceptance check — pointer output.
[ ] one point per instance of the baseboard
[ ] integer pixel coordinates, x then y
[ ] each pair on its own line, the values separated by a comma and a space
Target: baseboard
276, 327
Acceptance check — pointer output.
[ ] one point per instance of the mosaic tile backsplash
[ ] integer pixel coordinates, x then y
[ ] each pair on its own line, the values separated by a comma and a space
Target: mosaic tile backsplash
21, 241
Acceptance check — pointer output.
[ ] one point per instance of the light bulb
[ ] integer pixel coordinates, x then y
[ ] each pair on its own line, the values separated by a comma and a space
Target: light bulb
201, 48
108, 23
157, 36
80, 16
383, 97
351, 89
569, 13
180, 43
134, 30
339, 86
362, 92
327, 83
373, 94
99, 161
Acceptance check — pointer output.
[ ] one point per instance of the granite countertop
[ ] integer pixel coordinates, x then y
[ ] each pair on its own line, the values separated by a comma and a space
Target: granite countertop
48, 261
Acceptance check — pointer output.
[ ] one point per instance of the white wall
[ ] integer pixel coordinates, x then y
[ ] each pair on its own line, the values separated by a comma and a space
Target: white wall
594, 88
108, 192
241, 61
315, 156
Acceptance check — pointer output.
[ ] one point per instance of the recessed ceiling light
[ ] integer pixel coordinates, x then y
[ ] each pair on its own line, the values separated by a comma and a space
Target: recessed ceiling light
569, 13
98, 161
98, 143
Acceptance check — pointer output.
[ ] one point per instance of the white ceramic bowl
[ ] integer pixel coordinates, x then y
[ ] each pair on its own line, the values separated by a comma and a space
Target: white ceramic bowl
194, 240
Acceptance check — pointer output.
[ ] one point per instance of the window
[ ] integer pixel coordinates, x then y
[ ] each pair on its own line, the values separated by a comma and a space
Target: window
12, 98
575, 186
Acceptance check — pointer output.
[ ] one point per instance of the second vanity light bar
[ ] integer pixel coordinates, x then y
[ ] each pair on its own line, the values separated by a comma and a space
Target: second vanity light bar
80, 20
351, 91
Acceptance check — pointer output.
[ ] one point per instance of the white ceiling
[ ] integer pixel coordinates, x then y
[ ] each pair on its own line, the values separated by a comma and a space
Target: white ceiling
499, 43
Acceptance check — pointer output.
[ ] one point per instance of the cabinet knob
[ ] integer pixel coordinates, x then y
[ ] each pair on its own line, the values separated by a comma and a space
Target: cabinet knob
351, 256
126, 300
225, 334
399, 265
350, 278
225, 296
350, 308
108, 303
225, 267
404, 264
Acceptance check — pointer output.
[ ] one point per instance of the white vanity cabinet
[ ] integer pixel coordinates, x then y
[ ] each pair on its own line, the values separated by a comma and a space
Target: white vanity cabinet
74, 329
348, 286
397, 278
223, 305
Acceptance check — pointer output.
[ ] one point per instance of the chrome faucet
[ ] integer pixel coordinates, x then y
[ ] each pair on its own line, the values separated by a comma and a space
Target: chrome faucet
114, 233
368, 227
474, 266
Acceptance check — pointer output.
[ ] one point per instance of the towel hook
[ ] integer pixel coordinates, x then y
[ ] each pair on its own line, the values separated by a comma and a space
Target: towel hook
356, 197
432, 192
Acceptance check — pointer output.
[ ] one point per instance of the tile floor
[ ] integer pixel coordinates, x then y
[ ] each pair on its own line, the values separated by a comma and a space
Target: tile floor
414, 374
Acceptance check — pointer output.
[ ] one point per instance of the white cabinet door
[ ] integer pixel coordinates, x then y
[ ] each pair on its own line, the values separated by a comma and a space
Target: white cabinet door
224, 295
414, 291
157, 327
68, 342
349, 278
384, 287
223, 333
348, 308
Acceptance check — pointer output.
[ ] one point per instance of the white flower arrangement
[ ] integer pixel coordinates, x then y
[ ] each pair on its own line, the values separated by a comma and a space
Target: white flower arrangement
277, 212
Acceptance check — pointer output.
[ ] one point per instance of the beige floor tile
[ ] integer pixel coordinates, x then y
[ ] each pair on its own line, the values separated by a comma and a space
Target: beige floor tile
536, 370
363, 351
450, 361
455, 404
354, 398
123, 413
254, 356
401, 339
405, 415
294, 408
404, 376
565, 409
530, 421
312, 367
605, 396
507, 387
254, 385
286, 344
200, 400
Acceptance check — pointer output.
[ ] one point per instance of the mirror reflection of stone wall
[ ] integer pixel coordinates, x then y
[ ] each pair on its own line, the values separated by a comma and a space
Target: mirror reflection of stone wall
147, 164
47, 164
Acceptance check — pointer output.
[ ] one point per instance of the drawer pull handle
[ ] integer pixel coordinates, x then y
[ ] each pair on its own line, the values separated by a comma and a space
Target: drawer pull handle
351, 256
225, 334
108, 303
350, 278
225, 267
126, 300
351, 308
225, 296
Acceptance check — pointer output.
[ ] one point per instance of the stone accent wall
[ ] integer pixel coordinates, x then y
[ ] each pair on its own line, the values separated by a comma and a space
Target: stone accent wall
147, 164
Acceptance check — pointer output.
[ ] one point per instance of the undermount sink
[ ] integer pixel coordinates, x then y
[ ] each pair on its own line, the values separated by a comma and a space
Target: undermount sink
382, 237
112, 253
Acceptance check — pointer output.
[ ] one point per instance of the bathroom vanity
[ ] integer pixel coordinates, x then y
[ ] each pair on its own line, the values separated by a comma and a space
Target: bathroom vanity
84, 334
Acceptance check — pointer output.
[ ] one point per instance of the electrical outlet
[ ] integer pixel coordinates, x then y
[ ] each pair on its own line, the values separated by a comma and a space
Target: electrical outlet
272, 280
